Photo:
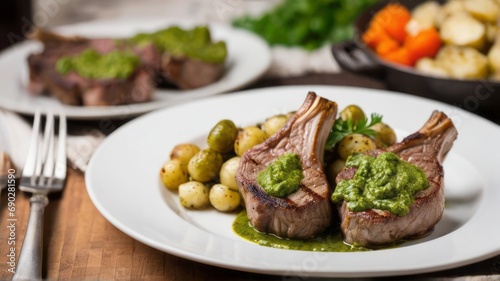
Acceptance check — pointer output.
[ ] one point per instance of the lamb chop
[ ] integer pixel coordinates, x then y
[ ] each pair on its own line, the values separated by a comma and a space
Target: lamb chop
74, 89
307, 212
426, 149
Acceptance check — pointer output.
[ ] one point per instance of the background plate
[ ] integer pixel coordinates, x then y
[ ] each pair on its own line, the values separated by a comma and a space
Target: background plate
248, 58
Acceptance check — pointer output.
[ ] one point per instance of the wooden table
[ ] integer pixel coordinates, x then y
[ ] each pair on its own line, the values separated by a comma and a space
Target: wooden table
80, 244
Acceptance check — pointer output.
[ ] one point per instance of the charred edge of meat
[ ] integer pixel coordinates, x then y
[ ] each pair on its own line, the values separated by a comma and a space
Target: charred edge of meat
280, 202
46, 36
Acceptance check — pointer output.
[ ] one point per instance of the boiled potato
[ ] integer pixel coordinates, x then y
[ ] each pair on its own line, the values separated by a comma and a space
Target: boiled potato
353, 112
463, 62
223, 198
247, 138
423, 16
173, 173
222, 136
354, 143
205, 165
430, 67
384, 135
454, 7
194, 195
273, 124
227, 174
184, 152
483, 10
463, 30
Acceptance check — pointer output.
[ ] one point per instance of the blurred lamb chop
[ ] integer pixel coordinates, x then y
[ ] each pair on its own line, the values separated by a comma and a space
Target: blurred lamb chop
73, 89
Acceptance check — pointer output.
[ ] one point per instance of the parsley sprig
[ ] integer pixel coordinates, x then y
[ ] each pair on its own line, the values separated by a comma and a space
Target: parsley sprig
342, 128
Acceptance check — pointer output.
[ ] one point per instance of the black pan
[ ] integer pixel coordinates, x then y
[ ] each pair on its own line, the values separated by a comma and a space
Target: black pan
478, 96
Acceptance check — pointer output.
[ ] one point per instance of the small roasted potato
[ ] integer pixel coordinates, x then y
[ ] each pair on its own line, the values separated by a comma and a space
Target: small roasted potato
334, 169
173, 174
222, 136
463, 62
430, 67
353, 112
483, 10
354, 143
227, 174
463, 30
184, 152
194, 195
223, 198
247, 138
205, 165
384, 135
273, 124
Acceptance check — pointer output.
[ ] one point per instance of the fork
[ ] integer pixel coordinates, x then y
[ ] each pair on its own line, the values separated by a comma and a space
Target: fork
44, 171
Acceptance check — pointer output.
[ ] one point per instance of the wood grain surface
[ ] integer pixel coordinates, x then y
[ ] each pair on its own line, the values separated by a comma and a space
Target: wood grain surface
80, 244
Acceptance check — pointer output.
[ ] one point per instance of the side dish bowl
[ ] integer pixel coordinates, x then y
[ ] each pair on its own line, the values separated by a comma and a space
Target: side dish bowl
477, 96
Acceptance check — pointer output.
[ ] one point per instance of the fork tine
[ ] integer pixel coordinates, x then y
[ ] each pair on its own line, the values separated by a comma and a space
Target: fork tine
31, 157
60, 166
48, 150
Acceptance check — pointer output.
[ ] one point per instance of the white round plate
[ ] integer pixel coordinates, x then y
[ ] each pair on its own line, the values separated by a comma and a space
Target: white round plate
248, 58
123, 183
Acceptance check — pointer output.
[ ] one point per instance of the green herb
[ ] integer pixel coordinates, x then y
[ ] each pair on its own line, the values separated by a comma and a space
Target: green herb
385, 182
309, 24
282, 177
195, 43
94, 65
342, 128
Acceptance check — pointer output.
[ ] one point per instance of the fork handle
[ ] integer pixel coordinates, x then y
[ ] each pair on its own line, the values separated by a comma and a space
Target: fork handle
29, 266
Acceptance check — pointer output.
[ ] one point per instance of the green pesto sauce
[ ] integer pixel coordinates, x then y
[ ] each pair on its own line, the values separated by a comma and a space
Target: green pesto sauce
93, 65
385, 182
331, 241
194, 43
282, 177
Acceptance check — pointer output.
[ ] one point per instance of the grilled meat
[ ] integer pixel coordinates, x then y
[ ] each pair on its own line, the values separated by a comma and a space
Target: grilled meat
308, 211
427, 150
74, 89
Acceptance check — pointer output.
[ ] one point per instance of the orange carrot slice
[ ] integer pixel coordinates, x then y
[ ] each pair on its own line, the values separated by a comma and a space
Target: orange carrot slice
426, 43
399, 56
387, 46
374, 35
393, 19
